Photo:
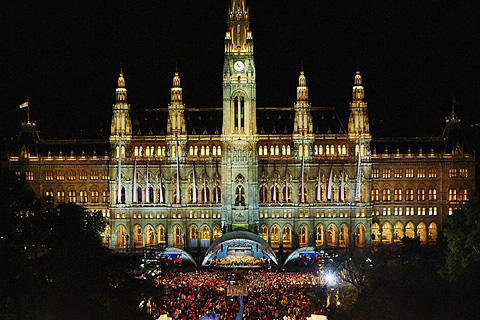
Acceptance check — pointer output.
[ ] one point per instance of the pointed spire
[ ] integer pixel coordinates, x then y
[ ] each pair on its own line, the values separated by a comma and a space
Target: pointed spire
121, 122
176, 108
358, 90
303, 123
238, 37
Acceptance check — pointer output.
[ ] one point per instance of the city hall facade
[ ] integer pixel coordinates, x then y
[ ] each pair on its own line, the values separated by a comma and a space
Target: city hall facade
182, 177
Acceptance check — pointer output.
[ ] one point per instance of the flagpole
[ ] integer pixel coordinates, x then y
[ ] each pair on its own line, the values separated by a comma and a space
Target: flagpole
28, 114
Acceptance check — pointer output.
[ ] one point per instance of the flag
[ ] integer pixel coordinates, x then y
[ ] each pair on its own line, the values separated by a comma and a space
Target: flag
24, 105
330, 184
178, 173
135, 181
302, 192
319, 186
358, 191
342, 187
205, 200
194, 187
147, 189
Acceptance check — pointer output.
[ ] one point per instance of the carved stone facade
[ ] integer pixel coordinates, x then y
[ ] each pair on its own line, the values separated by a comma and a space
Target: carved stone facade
295, 176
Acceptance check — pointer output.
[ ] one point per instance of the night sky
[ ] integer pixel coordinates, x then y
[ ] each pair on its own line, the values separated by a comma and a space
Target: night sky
66, 56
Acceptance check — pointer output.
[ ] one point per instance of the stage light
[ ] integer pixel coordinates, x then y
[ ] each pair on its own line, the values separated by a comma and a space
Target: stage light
329, 279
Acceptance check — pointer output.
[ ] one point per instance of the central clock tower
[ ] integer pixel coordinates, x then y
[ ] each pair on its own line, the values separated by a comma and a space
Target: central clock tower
239, 131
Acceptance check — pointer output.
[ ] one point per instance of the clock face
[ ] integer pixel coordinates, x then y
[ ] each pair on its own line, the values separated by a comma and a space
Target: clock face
239, 66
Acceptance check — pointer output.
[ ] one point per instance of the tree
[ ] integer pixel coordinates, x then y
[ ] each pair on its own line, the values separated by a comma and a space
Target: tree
54, 265
462, 234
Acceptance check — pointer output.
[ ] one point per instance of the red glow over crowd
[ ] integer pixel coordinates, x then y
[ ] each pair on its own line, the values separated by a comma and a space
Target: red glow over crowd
271, 295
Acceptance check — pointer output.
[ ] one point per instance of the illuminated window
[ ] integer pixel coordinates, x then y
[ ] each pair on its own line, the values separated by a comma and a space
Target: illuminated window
386, 195
135, 151
105, 176
398, 174
49, 194
432, 173
289, 151
159, 151
72, 196
463, 195
265, 151
60, 176
409, 173
105, 196
60, 196
452, 173
375, 173
409, 194
421, 173
82, 176
452, 194
260, 151
421, 194
397, 195
463, 173
95, 196
375, 195
94, 175
202, 151
316, 150
49, 176
29, 176
386, 174
272, 150
432, 194
83, 196
320, 149
190, 151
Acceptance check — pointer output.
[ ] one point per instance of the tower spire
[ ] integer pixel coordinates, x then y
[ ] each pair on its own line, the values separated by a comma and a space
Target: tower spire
303, 123
176, 109
121, 122
238, 38
358, 125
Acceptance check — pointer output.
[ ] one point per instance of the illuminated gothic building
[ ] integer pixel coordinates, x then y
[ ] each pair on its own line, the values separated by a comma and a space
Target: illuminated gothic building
295, 176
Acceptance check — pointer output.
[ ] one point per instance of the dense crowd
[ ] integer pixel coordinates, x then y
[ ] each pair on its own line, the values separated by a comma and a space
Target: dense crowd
271, 295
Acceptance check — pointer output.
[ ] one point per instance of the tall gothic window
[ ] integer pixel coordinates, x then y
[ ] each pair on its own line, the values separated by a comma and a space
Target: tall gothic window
240, 196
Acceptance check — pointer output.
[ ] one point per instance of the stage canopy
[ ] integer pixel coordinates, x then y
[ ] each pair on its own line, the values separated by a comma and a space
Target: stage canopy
299, 254
239, 249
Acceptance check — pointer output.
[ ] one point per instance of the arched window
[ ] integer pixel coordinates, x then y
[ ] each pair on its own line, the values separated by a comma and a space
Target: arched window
287, 193
260, 151
421, 194
343, 236
277, 150
122, 195
452, 194
398, 233
284, 150
265, 151
272, 150
289, 151
83, 196
72, 196
217, 194
239, 196
217, 232
387, 233
375, 195
287, 237
410, 230
375, 234
300, 150
264, 232
205, 237
305, 150
205, 194
121, 241
190, 151
344, 150
161, 241
422, 232
135, 152
303, 197
214, 151
432, 194
360, 236
150, 194
207, 151
161, 199
193, 236
432, 233
275, 237
177, 237
332, 236
219, 151
320, 150
95, 196
386, 194
139, 194
176, 199
463, 194
149, 236
195, 151
319, 240
397, 195
275, 194
262, 195
137, 237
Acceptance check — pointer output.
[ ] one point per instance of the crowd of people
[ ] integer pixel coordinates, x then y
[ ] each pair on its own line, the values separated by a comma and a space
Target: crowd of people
271, 294
234, 261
